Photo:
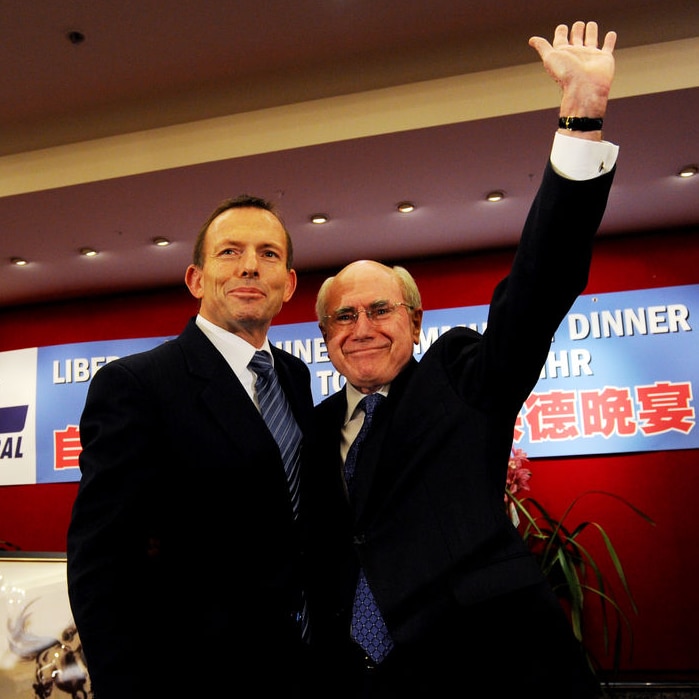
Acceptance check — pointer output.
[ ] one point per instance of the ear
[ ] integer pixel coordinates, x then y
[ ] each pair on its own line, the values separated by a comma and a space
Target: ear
192, 278
416, 322
323, 333
291, 281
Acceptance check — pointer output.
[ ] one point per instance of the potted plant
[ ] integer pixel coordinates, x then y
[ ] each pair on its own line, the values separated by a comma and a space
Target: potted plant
562, 550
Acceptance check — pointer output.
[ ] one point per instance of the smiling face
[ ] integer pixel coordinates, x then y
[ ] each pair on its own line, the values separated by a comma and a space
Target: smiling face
366, 353
243, 280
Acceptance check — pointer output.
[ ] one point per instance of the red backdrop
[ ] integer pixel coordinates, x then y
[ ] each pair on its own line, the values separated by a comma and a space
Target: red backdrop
661, 561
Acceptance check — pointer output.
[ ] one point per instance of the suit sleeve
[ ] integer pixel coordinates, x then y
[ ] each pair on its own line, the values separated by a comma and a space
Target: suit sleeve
550, 270
106, 547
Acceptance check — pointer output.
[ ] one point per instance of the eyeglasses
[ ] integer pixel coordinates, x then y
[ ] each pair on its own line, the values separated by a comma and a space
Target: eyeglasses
377, 313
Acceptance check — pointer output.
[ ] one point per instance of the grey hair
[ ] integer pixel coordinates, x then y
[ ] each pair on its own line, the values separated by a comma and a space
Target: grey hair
408, 285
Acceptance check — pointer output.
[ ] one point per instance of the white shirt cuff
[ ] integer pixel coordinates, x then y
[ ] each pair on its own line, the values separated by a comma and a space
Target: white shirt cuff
580, 159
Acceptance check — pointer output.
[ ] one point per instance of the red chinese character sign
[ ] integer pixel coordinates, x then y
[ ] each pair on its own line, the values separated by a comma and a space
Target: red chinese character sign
620, 376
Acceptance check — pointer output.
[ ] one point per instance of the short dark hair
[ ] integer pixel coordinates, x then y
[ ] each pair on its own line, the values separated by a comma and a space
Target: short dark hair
242, 201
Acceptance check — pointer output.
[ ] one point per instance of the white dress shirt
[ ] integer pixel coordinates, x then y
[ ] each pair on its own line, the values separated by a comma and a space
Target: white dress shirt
236, 351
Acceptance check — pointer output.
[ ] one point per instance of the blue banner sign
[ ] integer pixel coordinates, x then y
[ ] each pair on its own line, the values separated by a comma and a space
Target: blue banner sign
620, 377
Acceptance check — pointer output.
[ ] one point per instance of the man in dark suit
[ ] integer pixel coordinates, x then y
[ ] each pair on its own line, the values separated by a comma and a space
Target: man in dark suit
184, 547
462, 603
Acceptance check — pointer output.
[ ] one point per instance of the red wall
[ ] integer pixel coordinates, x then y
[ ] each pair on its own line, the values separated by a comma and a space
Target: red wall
661, 562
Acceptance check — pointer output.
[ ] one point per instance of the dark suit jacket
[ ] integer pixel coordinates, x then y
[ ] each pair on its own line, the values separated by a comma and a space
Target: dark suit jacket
183, 557
427, 520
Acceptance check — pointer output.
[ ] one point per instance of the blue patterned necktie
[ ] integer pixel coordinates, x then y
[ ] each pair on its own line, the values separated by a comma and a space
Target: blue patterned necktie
280, 420
368, 627
277, 414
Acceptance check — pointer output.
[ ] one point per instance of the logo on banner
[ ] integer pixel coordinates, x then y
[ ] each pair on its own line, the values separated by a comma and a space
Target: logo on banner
12, 421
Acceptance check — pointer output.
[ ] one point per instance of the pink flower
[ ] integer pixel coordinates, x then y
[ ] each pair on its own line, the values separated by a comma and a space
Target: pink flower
518, 474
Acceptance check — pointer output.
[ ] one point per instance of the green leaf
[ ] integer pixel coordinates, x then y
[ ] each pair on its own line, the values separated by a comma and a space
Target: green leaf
572, 570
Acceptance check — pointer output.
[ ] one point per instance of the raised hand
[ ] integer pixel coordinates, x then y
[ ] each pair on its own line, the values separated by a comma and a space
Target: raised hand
582, 70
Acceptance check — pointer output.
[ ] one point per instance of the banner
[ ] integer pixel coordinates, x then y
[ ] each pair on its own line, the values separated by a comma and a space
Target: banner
620, 377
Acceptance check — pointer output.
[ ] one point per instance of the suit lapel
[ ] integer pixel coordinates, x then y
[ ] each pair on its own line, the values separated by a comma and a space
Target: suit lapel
296, 394
221, 391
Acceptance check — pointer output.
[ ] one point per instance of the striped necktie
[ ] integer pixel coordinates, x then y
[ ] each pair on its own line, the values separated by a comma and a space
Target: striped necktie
277, 414
368, 627
280, 420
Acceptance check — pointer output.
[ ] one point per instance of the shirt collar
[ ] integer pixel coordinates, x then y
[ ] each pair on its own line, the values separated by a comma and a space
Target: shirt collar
236, 351
354, 396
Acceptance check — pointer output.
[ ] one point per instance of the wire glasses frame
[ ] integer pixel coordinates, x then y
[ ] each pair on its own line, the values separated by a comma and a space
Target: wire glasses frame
377, 313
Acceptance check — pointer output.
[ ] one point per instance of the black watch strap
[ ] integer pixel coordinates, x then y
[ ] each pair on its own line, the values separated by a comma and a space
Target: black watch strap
579, 124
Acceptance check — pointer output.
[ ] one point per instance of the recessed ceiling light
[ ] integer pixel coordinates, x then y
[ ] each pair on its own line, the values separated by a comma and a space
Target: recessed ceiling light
406, 207
497, 195
75, 37
319, 218
161, 242
19, 261
688, 171
88, 252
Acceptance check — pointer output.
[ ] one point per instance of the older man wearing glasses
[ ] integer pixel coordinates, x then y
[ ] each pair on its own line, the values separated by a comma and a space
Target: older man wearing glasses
426, 587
